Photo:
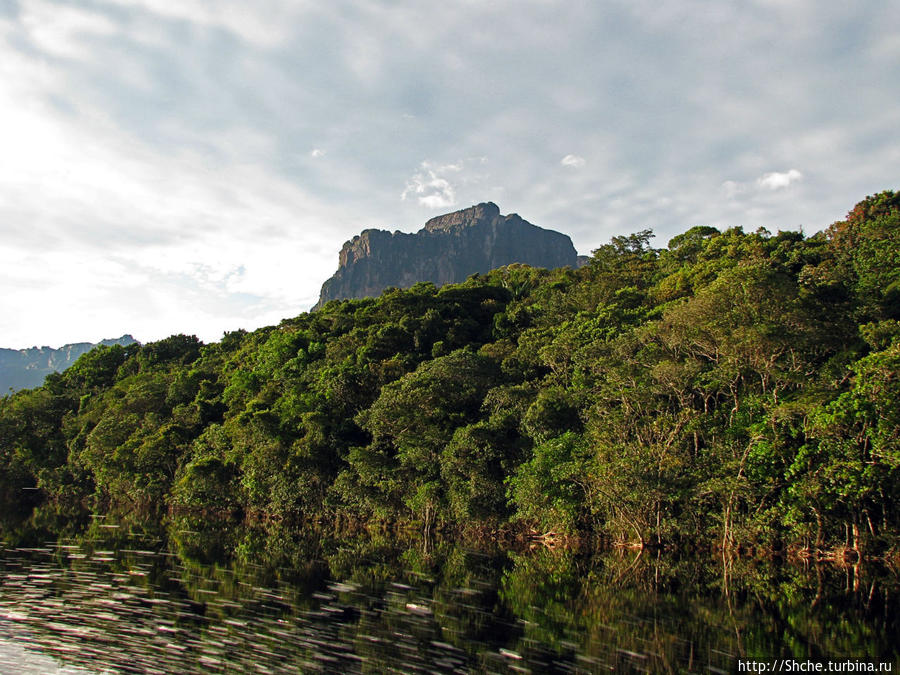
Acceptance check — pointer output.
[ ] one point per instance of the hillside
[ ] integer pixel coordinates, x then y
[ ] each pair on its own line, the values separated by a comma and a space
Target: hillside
730, 389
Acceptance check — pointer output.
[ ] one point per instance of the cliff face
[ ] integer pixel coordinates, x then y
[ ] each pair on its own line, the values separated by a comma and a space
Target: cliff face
447, 250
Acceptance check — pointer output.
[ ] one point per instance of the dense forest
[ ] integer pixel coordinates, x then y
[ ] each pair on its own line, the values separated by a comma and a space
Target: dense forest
732, 389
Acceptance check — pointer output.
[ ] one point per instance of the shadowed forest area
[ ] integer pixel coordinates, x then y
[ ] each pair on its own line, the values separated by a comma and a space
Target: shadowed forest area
734, 389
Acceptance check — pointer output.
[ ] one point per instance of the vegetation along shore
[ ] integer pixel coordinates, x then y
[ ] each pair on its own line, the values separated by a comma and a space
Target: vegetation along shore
733, 389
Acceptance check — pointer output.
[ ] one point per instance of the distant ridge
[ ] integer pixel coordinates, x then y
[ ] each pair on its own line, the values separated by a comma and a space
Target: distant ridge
27, 368
447, 250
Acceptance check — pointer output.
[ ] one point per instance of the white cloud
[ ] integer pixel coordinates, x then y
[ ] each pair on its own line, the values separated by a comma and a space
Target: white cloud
173, 145
778, 180
732, 188
107, 234
265, 23
772, 181
63, 31
573, 161
431, 188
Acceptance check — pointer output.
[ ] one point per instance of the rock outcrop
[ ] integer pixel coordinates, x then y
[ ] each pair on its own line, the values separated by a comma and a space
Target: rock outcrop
447, 250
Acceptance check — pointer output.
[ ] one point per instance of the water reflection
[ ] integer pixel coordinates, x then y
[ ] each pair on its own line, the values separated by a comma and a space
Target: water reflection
186, 595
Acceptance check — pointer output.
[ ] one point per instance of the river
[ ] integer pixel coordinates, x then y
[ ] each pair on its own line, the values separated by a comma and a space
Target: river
185, 595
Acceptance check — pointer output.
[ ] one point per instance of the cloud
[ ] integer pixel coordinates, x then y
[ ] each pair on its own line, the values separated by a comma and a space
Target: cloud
731, 188
266, 24
108, 233
772, 181
777, 180
64, 31
431, 188
172, 145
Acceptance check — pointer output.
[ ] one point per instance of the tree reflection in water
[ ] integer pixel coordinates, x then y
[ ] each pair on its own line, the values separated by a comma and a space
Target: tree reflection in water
189, 594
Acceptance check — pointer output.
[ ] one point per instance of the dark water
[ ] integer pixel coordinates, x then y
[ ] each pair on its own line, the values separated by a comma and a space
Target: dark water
186, 596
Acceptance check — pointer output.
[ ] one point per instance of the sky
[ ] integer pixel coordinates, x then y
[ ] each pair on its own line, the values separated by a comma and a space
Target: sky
194, 167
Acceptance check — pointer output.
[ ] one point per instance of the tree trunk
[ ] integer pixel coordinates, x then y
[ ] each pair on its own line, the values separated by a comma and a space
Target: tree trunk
819, 536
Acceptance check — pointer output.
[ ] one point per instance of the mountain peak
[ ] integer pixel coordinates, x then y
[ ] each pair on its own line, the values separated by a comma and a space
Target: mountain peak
27, 368
447, 250
486, 212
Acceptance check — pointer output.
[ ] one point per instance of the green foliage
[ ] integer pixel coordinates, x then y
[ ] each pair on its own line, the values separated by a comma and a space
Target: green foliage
553, 488
867, 243
98, 368
410, 423
474, 465
552, 413
732, 387
850, 466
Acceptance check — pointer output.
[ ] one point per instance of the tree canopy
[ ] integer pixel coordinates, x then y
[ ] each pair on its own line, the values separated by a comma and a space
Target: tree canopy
730, 388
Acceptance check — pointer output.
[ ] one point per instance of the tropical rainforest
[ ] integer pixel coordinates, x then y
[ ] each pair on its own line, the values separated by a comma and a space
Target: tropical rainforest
733, 389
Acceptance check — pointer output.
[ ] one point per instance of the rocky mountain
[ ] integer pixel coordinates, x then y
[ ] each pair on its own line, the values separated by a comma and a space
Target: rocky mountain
447, 250
27, 368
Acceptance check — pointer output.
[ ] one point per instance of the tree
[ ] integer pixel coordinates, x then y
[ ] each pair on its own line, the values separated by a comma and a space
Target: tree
410, 423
